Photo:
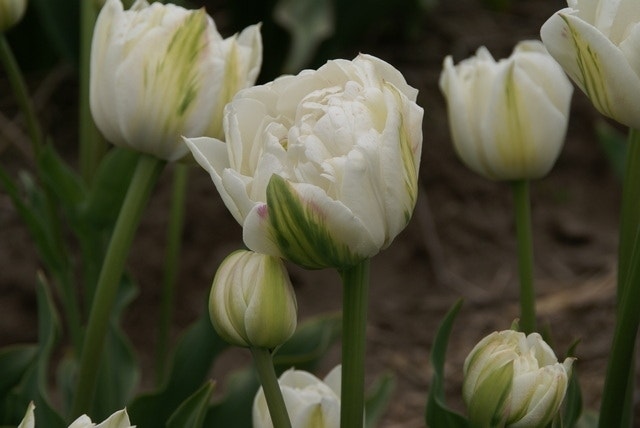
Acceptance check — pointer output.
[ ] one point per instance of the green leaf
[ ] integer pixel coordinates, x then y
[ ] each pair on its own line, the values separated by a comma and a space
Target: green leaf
14, 362
309, 344
437, 413
378, 398
588, 420
63, 181
193, 357
34, 385
60, 20
572, 402
119, 372
109, 187
614, 145
309, 22
234, 409
192, 412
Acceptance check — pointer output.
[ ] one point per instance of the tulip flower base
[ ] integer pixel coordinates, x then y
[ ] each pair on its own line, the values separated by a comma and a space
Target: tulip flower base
463, 247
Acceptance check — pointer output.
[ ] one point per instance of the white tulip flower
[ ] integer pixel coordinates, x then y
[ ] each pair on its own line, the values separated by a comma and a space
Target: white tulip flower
513, 380
320, 168
310, 402
11, 12
597, 42
159, 72
119, 419
508, 118
252, 302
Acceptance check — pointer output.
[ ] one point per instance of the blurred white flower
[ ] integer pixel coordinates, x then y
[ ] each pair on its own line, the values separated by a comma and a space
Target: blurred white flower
119, 419
160, 71
508, 119
597, 42
11, 12
320, 168
310, 402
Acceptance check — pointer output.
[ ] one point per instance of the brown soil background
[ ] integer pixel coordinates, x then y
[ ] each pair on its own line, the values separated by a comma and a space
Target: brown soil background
459, 244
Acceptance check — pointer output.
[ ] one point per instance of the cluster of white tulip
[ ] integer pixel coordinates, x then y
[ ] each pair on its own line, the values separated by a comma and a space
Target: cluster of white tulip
321, 168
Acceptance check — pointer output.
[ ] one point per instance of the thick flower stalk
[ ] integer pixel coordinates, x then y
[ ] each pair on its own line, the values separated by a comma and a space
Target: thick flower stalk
508, 118
597, 43
159, 72
514, 380
11, 12
252, 302
320, 168
119, 419
310, 402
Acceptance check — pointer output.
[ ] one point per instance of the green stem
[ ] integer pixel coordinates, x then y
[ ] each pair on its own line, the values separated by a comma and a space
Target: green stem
174, 238
22, 95
355, 300
615, 410
277, 409
92, 145
525, 255
143, 181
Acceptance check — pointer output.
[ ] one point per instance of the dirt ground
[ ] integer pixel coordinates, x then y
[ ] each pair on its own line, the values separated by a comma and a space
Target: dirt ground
459, 244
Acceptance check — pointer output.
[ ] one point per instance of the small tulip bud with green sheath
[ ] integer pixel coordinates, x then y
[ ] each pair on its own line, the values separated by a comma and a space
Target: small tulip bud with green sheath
252, 302
513, 380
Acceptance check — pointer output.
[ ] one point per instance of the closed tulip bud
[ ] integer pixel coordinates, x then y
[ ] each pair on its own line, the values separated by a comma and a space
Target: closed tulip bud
514, 380
160, 71
11, 12
252, 302
310, 402
320, 168
508, 119
596, 42
119, 419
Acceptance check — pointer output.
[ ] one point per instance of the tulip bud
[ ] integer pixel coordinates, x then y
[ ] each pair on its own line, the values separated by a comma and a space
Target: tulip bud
508, 119
252, 302
513, 380
310, 402
596, 42
160, 72
11, 12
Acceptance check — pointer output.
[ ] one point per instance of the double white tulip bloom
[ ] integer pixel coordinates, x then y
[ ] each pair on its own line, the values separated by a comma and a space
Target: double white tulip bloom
159, 72
513, 380
320, 168
508, 118
252, 302
310, 402
597, 42
11, 12
119, 419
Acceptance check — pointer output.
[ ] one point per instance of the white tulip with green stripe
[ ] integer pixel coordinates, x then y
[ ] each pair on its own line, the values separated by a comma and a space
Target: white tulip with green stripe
597, 42
160, 72
320, 168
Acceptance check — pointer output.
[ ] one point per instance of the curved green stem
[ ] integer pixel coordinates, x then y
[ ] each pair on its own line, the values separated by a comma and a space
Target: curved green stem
22, 94
272, 393
92, 145
615, 411
525, 255
143, 181
355, 301
174, 238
